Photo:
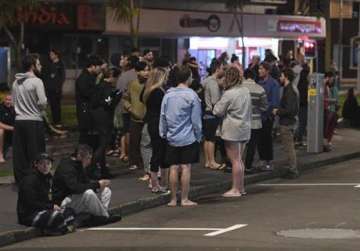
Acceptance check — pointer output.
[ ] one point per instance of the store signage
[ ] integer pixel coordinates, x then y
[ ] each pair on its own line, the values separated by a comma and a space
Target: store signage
54, 16
299, 26
213, 23
269, 1
90, 17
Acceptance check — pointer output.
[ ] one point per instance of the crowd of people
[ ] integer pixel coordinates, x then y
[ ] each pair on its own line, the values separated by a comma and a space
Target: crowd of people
154, 116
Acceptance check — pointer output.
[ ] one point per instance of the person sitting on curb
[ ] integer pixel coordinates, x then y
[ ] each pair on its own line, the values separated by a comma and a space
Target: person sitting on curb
35, 206
74, 189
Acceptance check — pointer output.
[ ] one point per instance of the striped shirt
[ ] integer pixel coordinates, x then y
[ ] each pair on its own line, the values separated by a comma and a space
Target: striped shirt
258, 101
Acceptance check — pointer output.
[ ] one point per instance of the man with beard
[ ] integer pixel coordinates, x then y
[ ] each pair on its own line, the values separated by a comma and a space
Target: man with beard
29, 101
136, 108
287, 112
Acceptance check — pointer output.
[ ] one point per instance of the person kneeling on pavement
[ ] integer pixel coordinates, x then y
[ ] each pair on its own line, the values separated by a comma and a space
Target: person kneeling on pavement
35, 205
72, 188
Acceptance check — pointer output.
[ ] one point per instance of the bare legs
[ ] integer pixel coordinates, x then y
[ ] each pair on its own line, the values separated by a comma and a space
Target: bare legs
124, 144
209, 151
234, 152
185, 185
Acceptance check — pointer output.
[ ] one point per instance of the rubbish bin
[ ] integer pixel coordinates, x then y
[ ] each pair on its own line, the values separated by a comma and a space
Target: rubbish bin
315, 123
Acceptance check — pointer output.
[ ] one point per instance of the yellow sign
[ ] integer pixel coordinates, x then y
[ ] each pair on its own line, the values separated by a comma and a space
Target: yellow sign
312, 92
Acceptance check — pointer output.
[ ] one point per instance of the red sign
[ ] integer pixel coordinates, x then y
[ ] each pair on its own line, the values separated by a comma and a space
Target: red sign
90, 17
54, 16
299, 26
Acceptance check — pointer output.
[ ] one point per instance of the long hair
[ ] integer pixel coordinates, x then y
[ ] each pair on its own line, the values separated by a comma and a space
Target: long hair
232, 77
157, 78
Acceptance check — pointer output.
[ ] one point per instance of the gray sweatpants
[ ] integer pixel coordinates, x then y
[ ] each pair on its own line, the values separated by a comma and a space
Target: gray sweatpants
146, 148
89, 202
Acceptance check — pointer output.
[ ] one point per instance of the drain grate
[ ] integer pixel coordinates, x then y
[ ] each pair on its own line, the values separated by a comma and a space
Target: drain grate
321, 233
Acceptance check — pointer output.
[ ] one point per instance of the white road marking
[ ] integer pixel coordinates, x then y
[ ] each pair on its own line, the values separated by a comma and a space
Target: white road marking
225, 230
357, 185
151, 229
215, 231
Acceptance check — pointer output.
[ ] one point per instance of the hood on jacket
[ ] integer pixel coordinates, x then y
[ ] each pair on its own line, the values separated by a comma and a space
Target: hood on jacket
21, 77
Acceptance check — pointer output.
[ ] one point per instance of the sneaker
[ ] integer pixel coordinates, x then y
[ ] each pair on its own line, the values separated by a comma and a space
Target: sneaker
267, 168
113, 218
133, 167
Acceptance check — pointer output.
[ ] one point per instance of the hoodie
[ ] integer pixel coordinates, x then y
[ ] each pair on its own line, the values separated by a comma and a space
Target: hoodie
29, 97
180, 117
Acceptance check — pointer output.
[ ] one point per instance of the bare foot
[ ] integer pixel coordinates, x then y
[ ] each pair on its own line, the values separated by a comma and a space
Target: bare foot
188, 203
232, 193
172, 203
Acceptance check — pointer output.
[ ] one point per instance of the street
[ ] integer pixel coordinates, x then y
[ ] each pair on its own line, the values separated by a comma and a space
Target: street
325, 198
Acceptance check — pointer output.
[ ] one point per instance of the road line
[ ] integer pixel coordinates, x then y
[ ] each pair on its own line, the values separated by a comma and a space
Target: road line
225, 230
311, 184
150, 229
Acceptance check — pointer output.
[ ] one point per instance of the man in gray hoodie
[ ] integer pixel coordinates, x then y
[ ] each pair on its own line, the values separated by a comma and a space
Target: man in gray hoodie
29, 101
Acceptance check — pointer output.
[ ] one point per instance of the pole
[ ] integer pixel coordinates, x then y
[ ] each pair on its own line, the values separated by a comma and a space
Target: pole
340, 41
358, 58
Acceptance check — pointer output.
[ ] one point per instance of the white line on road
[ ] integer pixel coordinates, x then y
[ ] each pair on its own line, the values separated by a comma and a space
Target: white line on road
216, 231
151, 229
312, 184
225, 230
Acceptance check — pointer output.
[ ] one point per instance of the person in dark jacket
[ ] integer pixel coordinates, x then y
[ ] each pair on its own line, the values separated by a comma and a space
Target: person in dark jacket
104, 101
54, 78
287, 112
7, 121
74, 189
35, 206
351, 109
85, 87
303, 86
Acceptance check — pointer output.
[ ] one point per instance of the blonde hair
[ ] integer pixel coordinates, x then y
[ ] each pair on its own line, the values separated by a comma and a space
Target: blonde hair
232, 77
156, 79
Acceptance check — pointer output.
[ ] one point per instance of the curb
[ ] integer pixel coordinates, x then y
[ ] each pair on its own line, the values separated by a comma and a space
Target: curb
133, 207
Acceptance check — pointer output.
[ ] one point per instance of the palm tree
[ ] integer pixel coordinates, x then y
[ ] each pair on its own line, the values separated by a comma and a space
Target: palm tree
12, 25
127, 11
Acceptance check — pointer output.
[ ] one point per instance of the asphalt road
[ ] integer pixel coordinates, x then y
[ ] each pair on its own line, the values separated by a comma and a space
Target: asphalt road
322, 198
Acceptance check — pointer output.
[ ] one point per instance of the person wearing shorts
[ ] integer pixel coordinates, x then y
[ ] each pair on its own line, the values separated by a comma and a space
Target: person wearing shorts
180, 125
234, 108
212, 94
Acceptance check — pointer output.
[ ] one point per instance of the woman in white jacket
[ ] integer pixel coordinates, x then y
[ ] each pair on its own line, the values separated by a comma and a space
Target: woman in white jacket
234, 108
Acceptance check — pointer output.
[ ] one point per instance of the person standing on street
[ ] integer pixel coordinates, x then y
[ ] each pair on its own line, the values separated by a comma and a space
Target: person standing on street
180, 125
84, 91
259, 105
136, 109
29, 101
287, 112
54, 78
234, 108
212, 94
272, 89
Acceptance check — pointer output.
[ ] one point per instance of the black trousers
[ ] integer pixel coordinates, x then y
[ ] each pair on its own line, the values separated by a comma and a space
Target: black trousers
104, 138
159, 147
135, 157
301, 130
265, 144
54, 99
251, 147
28, 142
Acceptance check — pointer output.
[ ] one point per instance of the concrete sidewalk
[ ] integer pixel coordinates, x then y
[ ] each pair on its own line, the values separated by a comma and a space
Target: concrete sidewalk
131, 195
